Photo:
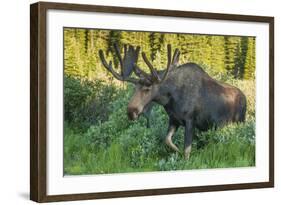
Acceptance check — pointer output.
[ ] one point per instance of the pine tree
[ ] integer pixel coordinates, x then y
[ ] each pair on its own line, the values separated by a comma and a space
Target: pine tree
250, 61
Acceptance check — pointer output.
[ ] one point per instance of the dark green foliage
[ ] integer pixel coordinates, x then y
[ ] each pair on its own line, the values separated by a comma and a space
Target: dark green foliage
240, 61
156, 41
76, 94
87, 103
114, 37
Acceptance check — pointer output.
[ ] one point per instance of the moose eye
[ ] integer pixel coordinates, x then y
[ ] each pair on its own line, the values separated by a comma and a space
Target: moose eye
146, 89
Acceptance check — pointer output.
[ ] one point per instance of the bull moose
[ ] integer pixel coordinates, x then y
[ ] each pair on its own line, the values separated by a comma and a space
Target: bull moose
188, 94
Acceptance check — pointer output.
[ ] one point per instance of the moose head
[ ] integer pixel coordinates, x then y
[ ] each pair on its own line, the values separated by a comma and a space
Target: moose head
147, 85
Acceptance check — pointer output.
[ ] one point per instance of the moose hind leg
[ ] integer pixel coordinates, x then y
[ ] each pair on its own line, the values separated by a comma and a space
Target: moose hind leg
168, 140
188, 139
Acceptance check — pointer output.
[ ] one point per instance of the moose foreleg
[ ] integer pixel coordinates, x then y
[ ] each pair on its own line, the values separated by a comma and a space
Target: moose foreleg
168, 139
147, 113
147, 116
188, 139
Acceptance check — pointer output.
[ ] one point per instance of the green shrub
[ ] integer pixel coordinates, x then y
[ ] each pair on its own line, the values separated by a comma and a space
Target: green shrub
86, 102
76, 94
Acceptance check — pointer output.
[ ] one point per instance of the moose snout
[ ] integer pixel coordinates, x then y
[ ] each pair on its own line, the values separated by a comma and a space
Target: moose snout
132, 113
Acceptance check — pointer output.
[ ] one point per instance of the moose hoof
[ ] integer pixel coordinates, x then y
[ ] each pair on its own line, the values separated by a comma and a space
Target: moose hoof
187, 151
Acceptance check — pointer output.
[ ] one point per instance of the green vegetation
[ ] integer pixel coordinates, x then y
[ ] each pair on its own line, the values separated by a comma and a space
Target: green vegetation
98, 137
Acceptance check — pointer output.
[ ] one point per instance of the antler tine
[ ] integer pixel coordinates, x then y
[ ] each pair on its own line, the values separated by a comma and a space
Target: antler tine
137, 53
154, 74
136, 69
169, 53
171, 62
109, 66
125, 49
145, 77
176, 57
117, 50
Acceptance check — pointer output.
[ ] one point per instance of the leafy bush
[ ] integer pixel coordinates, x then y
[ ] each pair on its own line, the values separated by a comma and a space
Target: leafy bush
86, 102
76, 94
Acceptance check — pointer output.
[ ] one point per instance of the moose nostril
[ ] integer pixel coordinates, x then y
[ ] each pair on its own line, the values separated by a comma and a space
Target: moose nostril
132, 113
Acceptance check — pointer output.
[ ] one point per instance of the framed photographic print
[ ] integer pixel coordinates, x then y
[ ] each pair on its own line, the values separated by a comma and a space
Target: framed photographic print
134, 102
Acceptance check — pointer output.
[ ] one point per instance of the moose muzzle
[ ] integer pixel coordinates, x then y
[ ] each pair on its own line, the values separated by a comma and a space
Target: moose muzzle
133, 113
